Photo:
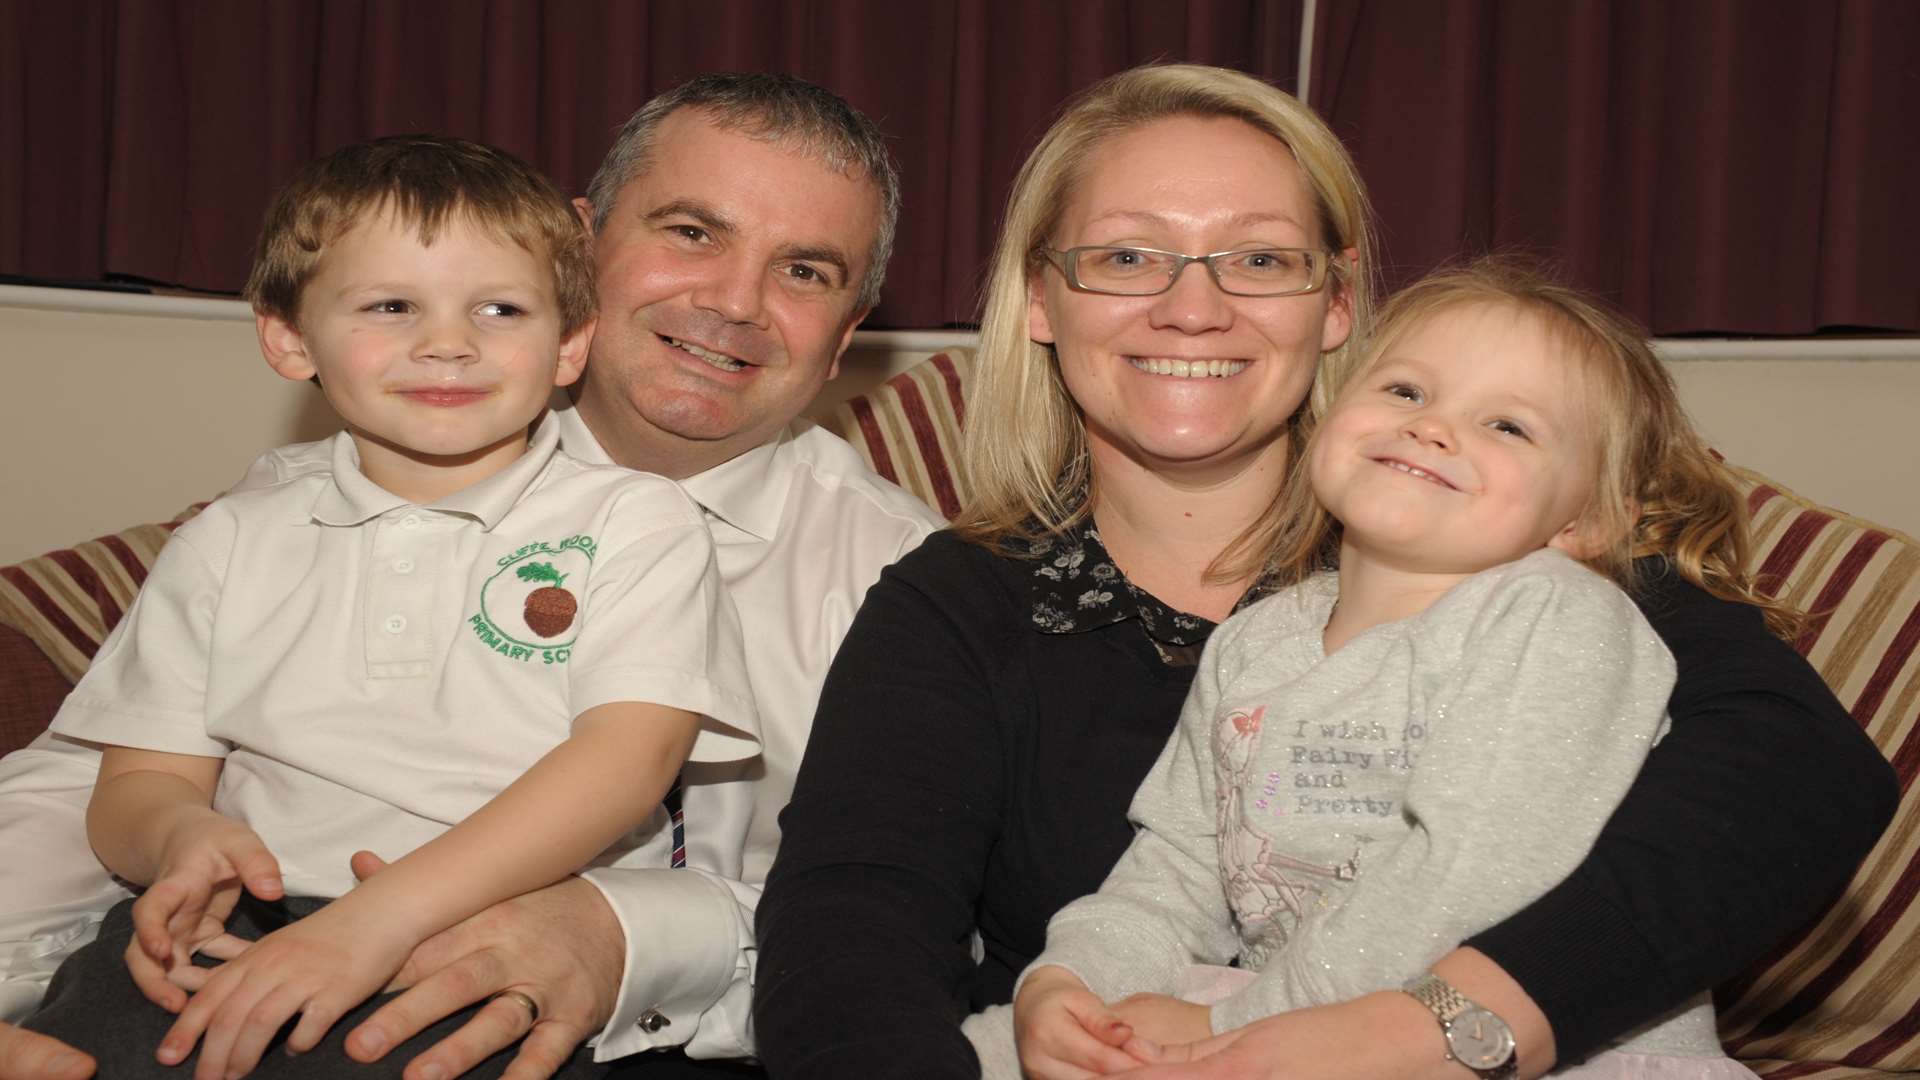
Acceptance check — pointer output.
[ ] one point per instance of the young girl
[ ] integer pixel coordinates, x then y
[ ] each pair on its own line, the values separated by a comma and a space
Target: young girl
1376, 763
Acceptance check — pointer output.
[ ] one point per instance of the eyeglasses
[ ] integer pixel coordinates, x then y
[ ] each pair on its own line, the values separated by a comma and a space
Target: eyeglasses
1134, 271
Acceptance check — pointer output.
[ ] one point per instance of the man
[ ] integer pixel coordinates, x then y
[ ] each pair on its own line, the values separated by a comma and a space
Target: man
742, 225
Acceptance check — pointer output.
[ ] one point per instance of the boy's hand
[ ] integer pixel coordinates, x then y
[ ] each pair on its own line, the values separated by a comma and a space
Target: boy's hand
1065, 1032
319, 967
204, 864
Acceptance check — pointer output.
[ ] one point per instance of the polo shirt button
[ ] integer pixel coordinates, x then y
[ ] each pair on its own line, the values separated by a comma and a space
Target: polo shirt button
410, 522
396, 624
403, 566
653, 1020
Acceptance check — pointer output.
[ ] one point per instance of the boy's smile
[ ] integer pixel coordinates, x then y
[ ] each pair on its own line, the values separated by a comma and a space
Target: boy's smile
437, 356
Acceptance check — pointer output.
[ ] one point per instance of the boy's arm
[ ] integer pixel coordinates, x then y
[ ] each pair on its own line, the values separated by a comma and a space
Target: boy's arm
574, 803
141, 796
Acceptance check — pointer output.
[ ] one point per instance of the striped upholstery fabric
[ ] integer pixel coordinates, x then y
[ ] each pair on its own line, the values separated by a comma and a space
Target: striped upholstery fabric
1841, 999
66, 601
909, 428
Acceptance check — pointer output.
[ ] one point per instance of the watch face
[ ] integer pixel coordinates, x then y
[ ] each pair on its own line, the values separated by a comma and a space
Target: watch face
1479, 1039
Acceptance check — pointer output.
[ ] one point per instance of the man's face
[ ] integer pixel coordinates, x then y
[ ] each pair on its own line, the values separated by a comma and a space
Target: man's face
729, 271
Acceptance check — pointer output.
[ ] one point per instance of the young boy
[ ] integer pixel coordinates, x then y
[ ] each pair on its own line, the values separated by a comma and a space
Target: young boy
442, 639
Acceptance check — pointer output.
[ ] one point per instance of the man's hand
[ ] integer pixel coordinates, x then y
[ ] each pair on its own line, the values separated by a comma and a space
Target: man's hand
561, 946
1064, 1031
29, 1055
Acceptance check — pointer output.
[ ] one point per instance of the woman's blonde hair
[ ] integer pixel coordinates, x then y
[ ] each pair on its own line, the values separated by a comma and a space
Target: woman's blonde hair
1660, 491
1025, 448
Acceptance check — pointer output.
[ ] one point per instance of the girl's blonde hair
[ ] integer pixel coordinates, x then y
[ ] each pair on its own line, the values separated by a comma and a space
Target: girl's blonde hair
1661, 491
1025, 447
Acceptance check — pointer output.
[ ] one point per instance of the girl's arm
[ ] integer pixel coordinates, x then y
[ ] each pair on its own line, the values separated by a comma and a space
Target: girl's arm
586, 793
1542, 691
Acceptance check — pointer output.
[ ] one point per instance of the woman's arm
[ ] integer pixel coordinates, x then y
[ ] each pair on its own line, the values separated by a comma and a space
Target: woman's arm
1746, 819
867, 921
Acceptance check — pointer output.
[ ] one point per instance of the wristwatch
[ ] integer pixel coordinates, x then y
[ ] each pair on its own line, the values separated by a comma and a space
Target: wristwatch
1475, 1037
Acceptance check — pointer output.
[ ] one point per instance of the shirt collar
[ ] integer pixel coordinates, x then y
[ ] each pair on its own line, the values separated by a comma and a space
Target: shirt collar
1076, 587
744, 491
352, 498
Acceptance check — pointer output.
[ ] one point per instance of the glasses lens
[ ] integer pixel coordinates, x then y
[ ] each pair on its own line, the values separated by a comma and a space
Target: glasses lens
1124, 270
1266, 271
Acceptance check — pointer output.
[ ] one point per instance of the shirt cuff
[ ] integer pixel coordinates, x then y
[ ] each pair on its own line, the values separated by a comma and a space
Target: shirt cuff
688, 974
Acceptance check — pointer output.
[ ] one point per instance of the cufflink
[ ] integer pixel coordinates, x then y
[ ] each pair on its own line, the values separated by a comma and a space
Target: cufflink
652, 1021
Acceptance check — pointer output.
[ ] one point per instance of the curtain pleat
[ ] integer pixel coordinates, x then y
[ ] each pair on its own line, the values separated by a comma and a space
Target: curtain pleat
1714, 165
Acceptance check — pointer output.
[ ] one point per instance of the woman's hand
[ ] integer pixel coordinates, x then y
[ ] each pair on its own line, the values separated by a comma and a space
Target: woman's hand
204, 864
1382, 1036
1064, 1031
318, 967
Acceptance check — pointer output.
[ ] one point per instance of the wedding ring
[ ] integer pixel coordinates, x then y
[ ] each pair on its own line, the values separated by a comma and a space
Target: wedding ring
533, 1009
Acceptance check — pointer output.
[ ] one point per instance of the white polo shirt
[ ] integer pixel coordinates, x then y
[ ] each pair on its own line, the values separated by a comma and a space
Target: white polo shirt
801, 527
373, 671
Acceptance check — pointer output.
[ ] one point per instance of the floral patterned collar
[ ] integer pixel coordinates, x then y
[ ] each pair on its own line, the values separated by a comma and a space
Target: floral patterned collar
1077, 587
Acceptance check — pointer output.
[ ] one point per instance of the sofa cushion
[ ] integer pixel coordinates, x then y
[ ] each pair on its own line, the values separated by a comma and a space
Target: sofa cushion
1839, 998
66, 601
31, 692
908, 429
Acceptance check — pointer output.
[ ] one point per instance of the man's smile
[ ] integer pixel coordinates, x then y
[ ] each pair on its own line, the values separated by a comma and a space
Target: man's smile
717, 359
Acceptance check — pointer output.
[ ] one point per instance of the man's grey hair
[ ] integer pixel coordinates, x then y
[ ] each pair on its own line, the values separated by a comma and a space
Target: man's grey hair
777, 108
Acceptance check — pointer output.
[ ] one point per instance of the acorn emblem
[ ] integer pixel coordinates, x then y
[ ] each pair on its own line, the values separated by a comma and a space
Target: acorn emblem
549, 609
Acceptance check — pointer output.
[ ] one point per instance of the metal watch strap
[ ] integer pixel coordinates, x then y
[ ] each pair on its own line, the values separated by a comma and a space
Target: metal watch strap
1446, 1004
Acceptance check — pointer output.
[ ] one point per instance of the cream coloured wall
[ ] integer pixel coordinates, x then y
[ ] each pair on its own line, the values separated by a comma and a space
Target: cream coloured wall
116, 410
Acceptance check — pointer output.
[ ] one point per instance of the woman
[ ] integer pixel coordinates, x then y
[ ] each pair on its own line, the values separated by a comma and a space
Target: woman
1004, 689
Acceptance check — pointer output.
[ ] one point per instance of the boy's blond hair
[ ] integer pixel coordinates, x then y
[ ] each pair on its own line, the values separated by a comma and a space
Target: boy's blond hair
1025, 446
1660, 491
422, 179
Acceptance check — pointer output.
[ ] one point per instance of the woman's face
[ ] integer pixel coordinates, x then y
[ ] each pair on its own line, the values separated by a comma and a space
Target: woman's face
1193, 185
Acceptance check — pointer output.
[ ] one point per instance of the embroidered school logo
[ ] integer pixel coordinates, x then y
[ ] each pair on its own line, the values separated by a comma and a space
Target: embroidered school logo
527, 611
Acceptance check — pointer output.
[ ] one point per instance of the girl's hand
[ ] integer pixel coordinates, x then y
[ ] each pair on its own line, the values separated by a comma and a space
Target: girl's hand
204, 864
1064, 1031
319, 967
1163, 1021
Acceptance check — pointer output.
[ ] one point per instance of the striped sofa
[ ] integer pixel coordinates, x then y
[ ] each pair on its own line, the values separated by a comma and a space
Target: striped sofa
1840, 999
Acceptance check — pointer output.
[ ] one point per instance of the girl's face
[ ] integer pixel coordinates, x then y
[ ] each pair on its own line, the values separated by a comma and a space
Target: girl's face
1192, 379
1469, 442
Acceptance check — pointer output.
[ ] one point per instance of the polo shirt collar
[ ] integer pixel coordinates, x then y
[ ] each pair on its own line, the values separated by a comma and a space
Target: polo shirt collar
352, 498
744, 492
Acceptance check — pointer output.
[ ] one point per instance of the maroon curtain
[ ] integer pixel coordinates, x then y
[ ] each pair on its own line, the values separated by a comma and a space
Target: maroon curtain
144, 137
1714, 165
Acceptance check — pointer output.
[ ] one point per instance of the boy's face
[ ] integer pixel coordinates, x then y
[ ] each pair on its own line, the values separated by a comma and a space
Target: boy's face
438, 358
1468, 444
